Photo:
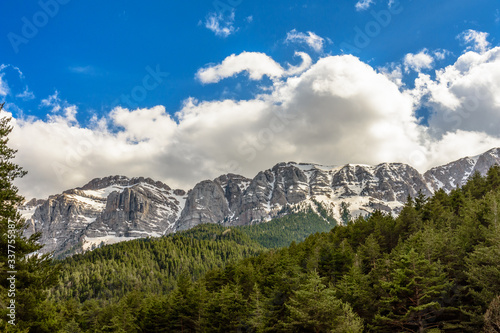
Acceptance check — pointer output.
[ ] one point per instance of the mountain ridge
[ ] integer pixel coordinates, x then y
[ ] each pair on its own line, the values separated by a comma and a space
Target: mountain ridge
117, 208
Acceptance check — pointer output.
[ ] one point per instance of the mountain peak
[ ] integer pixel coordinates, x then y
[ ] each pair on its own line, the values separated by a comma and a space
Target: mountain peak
118, 180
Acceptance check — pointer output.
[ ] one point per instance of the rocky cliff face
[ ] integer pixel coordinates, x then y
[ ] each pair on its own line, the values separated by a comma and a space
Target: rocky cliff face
113, 209
456, 173
106, 210
385, 186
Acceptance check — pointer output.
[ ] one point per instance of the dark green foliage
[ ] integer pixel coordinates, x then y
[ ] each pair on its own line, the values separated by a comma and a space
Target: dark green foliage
283, 231
412, 289
151, 265
315, 308
34, 274
434, 268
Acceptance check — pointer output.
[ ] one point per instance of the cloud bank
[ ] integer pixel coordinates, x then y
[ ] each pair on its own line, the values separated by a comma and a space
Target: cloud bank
338, 110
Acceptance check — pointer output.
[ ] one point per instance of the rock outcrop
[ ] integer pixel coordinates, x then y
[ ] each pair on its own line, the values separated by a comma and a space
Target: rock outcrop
106, 210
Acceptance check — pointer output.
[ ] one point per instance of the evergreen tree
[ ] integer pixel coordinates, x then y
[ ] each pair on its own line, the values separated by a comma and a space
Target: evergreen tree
24, 278
257, 311
314, 308
227, 310
483, 264
187, 304
345, 213
355, 289
413, 290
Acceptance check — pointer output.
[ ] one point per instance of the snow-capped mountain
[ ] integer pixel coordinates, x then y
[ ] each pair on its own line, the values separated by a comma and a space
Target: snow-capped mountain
240, 201
105, 211
456, 173
117, 208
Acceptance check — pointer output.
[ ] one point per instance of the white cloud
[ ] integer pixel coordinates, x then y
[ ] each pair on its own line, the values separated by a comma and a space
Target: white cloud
53, 102
56, 105
419, 61
221, 25
256, 65
311, 39
306, 63
4, 87
465, 95
26, 94
340, 110
363, 4
393, 72
441, 54
335, 112
475, 39
366, 4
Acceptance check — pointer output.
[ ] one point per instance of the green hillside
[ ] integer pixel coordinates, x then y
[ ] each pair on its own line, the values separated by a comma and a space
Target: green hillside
434, 268
152, 265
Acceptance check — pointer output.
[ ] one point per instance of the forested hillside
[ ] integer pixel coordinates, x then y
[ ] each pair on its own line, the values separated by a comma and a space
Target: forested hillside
152, 265
434, 268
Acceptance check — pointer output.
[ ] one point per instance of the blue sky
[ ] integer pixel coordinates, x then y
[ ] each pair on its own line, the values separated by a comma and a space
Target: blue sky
100, 69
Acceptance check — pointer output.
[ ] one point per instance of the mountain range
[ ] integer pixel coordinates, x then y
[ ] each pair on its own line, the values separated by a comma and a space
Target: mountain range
116, 208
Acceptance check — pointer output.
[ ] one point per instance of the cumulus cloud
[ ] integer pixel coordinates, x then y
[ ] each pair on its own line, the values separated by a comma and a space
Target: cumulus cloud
340, 110
221, 25
464, 95
419, 61
256, 65
393, 72
311, 39
476, 40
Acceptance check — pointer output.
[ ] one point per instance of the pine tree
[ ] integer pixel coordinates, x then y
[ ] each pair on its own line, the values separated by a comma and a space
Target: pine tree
314, 308
186, 303
257, 311
413, 290
29, 275
483, 268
